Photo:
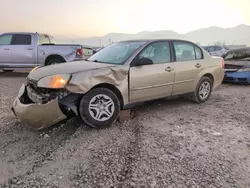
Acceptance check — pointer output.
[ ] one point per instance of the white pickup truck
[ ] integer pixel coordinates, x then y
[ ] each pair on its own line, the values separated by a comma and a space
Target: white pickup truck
28, 50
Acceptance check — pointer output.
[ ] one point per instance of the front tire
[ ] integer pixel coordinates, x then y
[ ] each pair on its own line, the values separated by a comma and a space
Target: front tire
99, 108
203, 90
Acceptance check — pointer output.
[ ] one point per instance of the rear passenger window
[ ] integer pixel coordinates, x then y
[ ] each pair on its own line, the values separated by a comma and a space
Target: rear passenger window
198, 52
20, 39
184, 51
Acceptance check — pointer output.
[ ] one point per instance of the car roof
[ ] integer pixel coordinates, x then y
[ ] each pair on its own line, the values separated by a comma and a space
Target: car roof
157, 40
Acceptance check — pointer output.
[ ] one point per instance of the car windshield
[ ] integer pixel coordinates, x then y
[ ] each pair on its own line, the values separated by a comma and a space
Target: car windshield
117, 53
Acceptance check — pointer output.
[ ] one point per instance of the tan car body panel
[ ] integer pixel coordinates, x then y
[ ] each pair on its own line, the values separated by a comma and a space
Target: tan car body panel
186, 78
116, 76
159, 83
130, 81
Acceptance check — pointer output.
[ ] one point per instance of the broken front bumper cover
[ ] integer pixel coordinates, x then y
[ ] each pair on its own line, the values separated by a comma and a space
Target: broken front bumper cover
38, 116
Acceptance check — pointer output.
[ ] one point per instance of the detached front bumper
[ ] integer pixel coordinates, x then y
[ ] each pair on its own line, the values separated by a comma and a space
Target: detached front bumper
38, 116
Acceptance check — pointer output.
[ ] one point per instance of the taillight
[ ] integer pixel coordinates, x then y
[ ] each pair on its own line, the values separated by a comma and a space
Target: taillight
79, 52
223, 63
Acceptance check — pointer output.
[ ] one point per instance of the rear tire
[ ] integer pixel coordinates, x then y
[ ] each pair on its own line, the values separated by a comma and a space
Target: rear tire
203, 90
54, 62
99, 108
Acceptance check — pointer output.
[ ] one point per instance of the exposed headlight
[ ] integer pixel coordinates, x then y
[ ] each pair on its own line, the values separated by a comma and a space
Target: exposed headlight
54, 82
244, 70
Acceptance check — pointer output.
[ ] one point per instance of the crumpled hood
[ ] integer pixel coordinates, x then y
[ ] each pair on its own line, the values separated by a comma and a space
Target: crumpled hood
65, 68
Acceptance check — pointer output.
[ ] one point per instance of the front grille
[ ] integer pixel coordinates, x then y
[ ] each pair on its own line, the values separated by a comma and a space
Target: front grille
229, 79
44, 95
32, 84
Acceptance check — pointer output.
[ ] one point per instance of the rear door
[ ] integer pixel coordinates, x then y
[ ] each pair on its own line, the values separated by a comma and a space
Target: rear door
5, 49
189, 63
23, 50
155, 80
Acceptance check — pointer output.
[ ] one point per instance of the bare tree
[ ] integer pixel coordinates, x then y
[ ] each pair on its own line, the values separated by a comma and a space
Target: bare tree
220, 43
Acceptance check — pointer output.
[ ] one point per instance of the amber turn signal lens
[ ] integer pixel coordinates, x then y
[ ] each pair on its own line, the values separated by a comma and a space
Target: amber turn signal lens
57, 82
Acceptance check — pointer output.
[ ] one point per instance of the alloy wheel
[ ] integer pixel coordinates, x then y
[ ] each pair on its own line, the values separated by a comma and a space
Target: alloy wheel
101, 107
204, 90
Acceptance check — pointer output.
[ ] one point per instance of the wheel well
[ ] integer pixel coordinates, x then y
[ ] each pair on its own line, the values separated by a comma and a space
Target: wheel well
114, 89
209, 76
51, 57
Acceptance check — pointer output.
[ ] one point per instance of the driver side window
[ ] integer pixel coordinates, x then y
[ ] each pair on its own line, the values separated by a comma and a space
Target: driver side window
5, 39
158, 52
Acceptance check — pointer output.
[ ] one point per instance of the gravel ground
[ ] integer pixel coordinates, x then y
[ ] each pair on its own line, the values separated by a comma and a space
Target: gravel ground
168, 143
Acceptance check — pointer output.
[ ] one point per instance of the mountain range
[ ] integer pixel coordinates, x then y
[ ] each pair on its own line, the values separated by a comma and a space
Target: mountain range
238, 35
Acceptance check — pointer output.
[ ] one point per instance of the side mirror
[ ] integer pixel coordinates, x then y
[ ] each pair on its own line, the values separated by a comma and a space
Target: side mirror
144, 61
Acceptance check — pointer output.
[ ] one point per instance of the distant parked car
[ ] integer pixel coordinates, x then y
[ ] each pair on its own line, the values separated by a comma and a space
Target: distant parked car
28, 50
97, 49
117, 77
216, 50
237, 65
88, 51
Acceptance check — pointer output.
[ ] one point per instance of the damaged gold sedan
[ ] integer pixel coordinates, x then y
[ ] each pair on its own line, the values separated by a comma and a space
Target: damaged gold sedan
116, 78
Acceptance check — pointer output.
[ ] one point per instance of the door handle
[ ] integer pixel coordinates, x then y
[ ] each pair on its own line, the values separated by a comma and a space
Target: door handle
6, 49
198, 65
29, 49
169, 69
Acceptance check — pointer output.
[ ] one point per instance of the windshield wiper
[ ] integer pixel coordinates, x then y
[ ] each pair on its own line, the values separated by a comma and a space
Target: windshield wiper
97, 61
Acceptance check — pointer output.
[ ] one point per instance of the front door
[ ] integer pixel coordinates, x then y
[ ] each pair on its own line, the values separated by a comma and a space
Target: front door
189, 63
22, 50
5, 50
153, 80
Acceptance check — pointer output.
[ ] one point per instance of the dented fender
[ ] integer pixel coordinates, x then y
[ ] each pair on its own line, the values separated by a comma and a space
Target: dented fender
117, 76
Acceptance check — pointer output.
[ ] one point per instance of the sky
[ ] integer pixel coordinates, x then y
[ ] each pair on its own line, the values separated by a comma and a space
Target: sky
87, 18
